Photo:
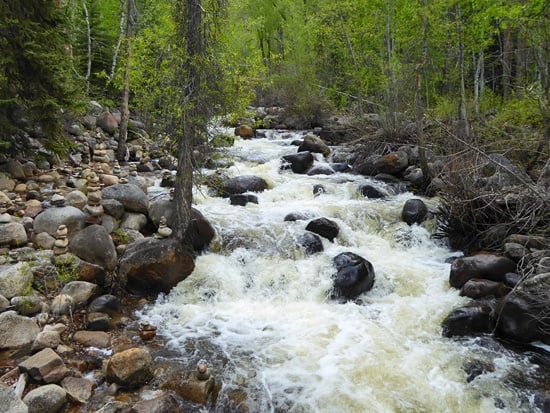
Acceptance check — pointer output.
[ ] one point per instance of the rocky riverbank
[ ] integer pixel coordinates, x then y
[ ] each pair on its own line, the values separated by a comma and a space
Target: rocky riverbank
83, 247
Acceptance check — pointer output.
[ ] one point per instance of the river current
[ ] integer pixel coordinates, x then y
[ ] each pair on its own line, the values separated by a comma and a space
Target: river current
258, 311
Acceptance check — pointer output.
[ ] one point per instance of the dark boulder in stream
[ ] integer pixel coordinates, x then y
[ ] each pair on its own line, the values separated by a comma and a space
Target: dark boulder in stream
354, 276
324, 227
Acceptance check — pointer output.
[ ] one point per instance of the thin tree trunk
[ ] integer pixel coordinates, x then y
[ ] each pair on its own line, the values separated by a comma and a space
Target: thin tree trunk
353, 59
121, 26
419, 105
125, 111
89, 46
506, 63
463, 129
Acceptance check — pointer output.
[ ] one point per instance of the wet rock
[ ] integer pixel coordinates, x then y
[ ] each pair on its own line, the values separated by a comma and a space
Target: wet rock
154, 265
45, 366
515, 251
107, 303
296, 216
99, 339
324, 227
478, 288
315, 144
528, 241
320, 170
392, 163
80, 291
354, 276
370, 191
188, 386
50, 219
78, 389
129, 195
299, 162
471, 320
165, 403
17, 332
130, 368
100, 252
242, 184
243, 199
414, 211
523, 313
244, 131
10, 402
13, 234
311, 243
46, 399
319, 189
15, 279
488, 266
98, 321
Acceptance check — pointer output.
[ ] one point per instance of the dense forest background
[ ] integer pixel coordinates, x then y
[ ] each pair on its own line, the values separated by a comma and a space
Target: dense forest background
483, 65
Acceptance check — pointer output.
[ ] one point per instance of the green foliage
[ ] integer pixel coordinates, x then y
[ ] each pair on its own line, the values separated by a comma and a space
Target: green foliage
520, 112
36, 81
222, 140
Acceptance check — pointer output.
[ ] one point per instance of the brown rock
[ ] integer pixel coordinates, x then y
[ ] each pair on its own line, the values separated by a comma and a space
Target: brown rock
98, 339
244, 131
77, 388
45, 366
488, 266
130, 368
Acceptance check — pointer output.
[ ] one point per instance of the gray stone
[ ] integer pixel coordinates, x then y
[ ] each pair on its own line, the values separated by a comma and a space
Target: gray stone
46, 399
44, 241
113, 207
131, 196
13, 234
6, 182
46, 339
94, 244
27, 305
135, 221
80, 291
45, 366
15, 169
50, 219
15, 279
10, 402
78, 389
76, 199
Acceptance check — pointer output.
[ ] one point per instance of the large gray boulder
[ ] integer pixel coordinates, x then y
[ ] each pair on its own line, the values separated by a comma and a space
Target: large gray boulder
313, 143
17, 332
201, 230
50, 219
154, 265
129, 195
95, 245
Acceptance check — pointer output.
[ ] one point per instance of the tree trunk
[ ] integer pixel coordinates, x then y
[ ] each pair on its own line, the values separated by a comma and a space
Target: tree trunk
506, 62
463, 128
88, 47
190, 39
125, 112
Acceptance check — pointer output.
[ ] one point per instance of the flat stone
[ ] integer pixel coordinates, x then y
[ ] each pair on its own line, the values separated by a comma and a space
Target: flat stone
45, 366
99, 339
78, 389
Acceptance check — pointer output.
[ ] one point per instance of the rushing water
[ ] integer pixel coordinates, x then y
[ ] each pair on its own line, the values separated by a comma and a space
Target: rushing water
257, 309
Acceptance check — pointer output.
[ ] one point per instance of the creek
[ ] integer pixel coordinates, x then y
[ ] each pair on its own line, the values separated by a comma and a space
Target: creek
257, 309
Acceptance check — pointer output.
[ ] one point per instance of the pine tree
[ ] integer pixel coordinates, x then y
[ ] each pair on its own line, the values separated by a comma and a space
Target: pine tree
35, 76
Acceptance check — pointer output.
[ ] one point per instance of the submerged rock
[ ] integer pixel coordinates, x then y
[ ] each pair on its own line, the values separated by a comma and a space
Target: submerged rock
354, 276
